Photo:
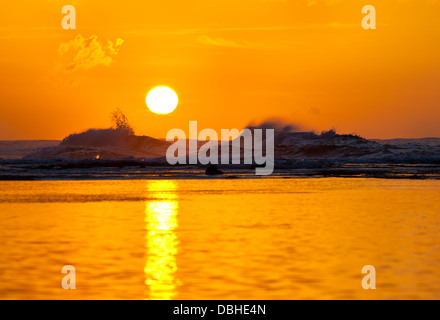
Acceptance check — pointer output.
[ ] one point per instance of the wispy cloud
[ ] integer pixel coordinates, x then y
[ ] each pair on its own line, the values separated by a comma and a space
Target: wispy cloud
82, 54
200, 30
159, 32
221, 42
86, 53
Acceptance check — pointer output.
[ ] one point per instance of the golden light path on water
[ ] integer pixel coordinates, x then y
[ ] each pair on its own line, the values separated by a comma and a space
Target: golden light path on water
161, 240
220, 239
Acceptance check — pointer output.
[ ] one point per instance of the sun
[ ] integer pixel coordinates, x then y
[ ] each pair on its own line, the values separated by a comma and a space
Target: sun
162, 100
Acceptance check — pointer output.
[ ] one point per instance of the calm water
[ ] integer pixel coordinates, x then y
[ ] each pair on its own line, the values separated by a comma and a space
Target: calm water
220, 239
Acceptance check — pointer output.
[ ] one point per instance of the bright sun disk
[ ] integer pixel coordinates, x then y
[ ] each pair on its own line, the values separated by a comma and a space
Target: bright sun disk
162, 100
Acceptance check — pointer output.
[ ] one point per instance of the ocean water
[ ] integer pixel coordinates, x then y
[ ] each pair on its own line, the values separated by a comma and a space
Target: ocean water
220, 239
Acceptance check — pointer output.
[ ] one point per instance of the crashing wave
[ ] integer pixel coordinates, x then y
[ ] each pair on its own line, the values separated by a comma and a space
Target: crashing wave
112, 143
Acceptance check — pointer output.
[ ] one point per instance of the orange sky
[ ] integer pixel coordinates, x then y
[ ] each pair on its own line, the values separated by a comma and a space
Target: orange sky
231, 62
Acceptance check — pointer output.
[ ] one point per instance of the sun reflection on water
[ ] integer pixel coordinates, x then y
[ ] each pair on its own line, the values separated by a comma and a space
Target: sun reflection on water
161, 240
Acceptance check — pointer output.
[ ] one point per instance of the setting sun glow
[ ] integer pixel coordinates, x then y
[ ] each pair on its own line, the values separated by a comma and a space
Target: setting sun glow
162, 100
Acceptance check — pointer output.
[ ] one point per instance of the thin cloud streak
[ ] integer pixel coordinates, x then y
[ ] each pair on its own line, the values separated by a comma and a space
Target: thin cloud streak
221, 42
250, 29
